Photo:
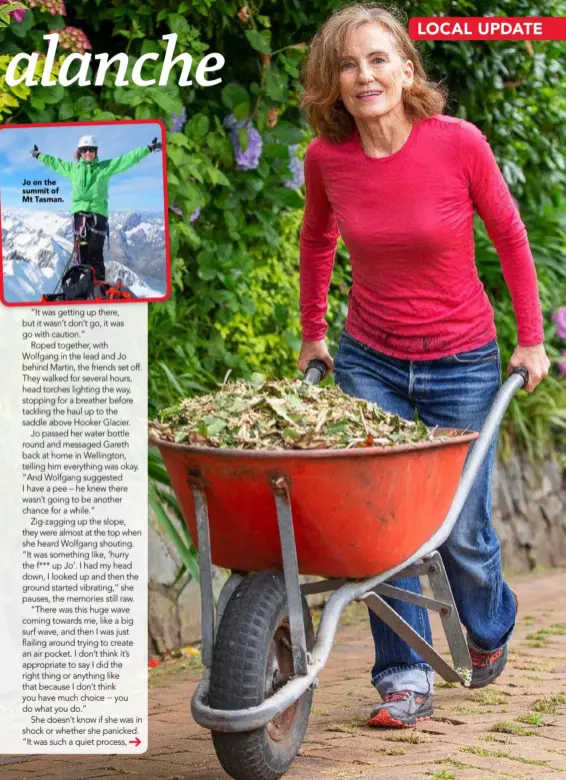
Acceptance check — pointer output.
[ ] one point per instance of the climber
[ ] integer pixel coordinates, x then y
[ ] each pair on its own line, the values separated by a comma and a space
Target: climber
90, 177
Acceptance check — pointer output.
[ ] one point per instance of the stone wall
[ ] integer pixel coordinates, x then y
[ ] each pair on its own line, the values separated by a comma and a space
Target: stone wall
174, 620
529, 515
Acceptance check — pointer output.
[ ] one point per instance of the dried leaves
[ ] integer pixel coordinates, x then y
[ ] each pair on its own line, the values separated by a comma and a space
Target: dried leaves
285, 414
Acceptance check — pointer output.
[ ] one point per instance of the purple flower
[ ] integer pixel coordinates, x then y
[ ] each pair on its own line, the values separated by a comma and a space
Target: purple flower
176, 210
178, 121
297, 169
16, 15
559, 319
562, 364
248, 158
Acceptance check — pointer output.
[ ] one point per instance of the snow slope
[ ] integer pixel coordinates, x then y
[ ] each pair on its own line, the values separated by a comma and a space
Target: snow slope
36, 246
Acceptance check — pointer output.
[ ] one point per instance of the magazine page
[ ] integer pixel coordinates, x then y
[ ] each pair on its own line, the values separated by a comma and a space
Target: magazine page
283, 395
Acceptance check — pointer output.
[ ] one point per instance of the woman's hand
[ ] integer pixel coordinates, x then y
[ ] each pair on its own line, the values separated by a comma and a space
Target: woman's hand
34, 152
535, 360
311, 350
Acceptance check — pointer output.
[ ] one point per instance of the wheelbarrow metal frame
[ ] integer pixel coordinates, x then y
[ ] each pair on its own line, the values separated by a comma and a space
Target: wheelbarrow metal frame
307, 666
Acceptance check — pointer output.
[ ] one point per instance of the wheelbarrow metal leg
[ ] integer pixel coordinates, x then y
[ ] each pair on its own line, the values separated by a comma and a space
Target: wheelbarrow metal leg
413, 598
418, 569
391, 618
291, 573
310, 588
205, 567
450, 620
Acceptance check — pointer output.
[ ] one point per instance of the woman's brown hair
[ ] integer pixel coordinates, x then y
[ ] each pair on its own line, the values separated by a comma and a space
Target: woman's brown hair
325, 111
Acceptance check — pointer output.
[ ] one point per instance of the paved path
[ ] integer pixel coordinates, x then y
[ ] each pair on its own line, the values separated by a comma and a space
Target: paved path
515, 728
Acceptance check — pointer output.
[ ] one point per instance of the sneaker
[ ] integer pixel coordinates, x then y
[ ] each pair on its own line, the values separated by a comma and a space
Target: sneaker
487, 665
401, 709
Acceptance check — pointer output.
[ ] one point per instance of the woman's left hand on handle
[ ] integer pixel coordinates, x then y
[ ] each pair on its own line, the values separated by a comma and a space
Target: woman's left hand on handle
34, 152
535, 360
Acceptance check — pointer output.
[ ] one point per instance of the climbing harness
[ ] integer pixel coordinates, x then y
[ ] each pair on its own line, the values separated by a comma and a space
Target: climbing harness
78, 280
79, 283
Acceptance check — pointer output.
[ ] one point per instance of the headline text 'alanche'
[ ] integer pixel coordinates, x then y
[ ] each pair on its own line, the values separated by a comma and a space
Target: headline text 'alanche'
27, 63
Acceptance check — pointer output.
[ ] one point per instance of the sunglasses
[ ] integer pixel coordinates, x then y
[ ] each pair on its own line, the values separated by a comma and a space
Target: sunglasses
85, 149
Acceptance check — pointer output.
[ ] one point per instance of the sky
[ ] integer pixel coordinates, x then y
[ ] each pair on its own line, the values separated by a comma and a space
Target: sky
140, 188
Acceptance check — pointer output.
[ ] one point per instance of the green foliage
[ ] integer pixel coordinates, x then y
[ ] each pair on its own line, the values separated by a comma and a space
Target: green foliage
264, 334
536, 420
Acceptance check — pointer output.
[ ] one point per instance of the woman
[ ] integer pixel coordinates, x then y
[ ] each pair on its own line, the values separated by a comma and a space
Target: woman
90, 178
400, 182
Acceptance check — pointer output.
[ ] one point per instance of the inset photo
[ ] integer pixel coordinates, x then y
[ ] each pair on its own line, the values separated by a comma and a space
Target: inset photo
84, 213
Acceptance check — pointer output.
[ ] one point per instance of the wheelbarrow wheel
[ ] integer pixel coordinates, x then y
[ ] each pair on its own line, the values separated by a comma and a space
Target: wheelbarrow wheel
252, 658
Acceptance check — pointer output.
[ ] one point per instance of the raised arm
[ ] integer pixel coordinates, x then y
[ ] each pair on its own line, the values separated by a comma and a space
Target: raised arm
505, 227
125, 161
55, 163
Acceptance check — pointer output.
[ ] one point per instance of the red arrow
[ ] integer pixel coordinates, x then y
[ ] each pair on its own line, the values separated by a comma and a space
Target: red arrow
136, 741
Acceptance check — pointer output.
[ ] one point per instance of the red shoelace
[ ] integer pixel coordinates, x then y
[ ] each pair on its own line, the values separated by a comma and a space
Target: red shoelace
396, 696
481, 658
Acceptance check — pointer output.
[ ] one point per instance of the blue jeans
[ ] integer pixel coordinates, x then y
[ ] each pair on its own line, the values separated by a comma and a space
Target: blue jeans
454, 392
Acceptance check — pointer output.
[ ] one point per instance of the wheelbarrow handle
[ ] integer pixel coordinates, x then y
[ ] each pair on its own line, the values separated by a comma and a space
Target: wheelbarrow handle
522, 371
316, 369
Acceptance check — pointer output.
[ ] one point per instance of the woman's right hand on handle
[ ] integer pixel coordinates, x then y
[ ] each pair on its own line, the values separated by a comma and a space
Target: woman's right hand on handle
311, 350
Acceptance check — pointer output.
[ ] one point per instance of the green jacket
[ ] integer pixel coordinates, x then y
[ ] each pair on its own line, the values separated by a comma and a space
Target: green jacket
90, 179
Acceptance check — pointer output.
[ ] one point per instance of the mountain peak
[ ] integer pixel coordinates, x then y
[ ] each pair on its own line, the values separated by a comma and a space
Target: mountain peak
131, 220
37, 246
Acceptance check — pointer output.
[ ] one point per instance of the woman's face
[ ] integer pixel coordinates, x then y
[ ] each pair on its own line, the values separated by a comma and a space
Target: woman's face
88, 153
372, 73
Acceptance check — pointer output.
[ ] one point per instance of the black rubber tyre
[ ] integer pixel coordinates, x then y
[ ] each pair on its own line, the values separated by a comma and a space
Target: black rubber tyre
252, 646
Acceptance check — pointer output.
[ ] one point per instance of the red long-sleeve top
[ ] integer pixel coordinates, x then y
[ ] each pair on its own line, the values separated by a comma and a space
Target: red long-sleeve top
407, 221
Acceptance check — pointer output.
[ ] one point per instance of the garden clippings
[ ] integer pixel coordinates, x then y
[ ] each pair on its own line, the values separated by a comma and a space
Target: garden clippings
283, 415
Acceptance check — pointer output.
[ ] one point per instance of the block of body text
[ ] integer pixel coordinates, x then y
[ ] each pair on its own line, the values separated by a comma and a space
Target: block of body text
73, 559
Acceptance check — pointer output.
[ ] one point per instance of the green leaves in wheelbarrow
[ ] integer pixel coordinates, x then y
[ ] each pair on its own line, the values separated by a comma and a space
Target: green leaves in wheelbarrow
284, 414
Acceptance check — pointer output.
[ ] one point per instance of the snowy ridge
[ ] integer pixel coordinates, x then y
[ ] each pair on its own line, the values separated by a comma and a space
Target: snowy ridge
36, 246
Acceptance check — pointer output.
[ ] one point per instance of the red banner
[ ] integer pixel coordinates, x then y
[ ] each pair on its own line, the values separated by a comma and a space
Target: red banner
488, 28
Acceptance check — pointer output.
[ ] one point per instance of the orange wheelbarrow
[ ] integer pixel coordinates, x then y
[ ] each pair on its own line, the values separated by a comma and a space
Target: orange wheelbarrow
358, 518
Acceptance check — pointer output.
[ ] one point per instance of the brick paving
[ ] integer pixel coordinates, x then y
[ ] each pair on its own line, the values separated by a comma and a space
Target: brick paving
474, 735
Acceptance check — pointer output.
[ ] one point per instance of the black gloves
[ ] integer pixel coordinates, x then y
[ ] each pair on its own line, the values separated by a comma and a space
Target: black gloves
34, 152
154, 146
